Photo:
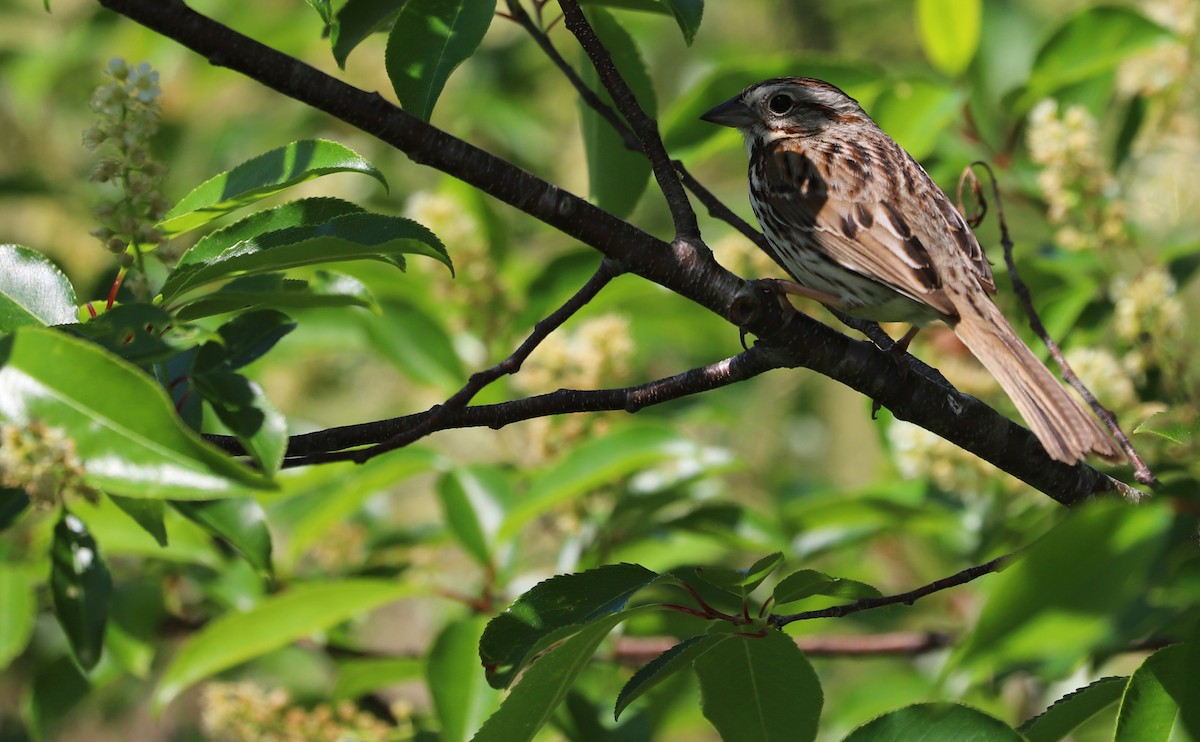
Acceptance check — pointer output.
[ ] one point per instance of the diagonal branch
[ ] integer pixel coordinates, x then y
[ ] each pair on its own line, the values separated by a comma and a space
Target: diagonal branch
605, 273
644, 127
685, 268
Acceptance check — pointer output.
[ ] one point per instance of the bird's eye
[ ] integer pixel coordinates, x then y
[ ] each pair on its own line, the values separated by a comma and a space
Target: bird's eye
780, 104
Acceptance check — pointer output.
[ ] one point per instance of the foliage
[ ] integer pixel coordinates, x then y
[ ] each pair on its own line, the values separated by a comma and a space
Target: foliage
158, 535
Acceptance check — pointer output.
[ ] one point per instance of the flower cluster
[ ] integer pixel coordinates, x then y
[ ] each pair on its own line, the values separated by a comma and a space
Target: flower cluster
128, 116
1081, 194
1146, 306
920, 453
42, 462
238, 712
1161, 67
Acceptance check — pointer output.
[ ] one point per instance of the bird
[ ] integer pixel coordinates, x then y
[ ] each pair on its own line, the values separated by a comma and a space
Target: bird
861, 227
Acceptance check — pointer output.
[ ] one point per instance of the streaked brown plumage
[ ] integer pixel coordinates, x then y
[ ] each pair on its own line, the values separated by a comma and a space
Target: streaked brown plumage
860, 224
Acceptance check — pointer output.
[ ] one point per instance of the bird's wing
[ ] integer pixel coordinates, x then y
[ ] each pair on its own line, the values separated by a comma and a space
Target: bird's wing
854, 227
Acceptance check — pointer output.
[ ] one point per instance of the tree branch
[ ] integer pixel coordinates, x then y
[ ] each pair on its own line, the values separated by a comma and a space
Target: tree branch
789, 339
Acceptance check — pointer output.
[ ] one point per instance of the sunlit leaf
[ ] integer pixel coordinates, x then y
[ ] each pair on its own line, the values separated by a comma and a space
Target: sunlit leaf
1154, 696
949, 32
1073, 709
461, 695
322, 289
240, 522
33, 291
261, 177
19, 611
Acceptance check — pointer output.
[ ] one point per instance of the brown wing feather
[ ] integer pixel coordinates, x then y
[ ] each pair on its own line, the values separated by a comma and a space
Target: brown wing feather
861, 232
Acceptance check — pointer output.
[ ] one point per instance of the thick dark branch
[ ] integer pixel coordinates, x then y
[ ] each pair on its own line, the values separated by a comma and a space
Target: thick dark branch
908, 598
605, 273
681, 267
644, 127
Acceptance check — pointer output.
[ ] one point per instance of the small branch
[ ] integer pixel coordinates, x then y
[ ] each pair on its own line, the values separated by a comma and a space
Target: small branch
635, 651
1141, 471
644, 127
908, 598
606, 272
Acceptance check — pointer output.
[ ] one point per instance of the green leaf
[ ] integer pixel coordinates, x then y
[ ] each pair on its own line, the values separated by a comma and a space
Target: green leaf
564, 602
475, 500
261, 177
809, 582
1051, 607
759, 688
323, 8
1156, 692
243, 340
544, 685
741, 581
33, 291
461, 696
358, 19
187, 543
18, 613
358, 677
126, 433
240, 522
617, 176
350, 237
1090, 43
663, 666
428, 41
1179, 433
301, 611
1073, 709
81, 587
417, 342
949, 31
590, 465
146, 513
140, 333
323, 289
916, 113
935, 722
13, 503
243, 407
687, 14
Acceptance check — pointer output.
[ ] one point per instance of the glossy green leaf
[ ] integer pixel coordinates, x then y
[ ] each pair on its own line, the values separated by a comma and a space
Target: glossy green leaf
1073, 709
358, 19
1051, 607
561, 603
474, 501
1154, 696
462, 698
428, 41
544, 685
81, 587
243, 340
128, 438
949, 32
617, 176
187, 543
13, 504
140, 333
323, 289
809, 582
349, 237
592, 464
261, 177
358, 677
759, 688
1092, 42
935, 722
677, 658
300, 611
18, 613
240, 522
33, 291
146, 513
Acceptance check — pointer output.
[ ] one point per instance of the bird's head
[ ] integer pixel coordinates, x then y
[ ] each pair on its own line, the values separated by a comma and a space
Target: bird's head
786, 107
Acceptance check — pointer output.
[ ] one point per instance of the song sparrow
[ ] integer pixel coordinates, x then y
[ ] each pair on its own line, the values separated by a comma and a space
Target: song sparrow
862, 227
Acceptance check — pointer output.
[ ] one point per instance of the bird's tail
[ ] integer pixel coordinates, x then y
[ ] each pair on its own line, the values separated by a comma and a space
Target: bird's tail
1067, 430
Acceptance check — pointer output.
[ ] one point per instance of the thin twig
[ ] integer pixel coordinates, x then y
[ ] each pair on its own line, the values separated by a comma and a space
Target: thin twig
908, 598
1141, 472
635, 651
606, 272
644, 127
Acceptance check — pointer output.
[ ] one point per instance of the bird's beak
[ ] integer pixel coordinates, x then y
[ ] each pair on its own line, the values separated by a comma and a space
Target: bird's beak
732, 112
